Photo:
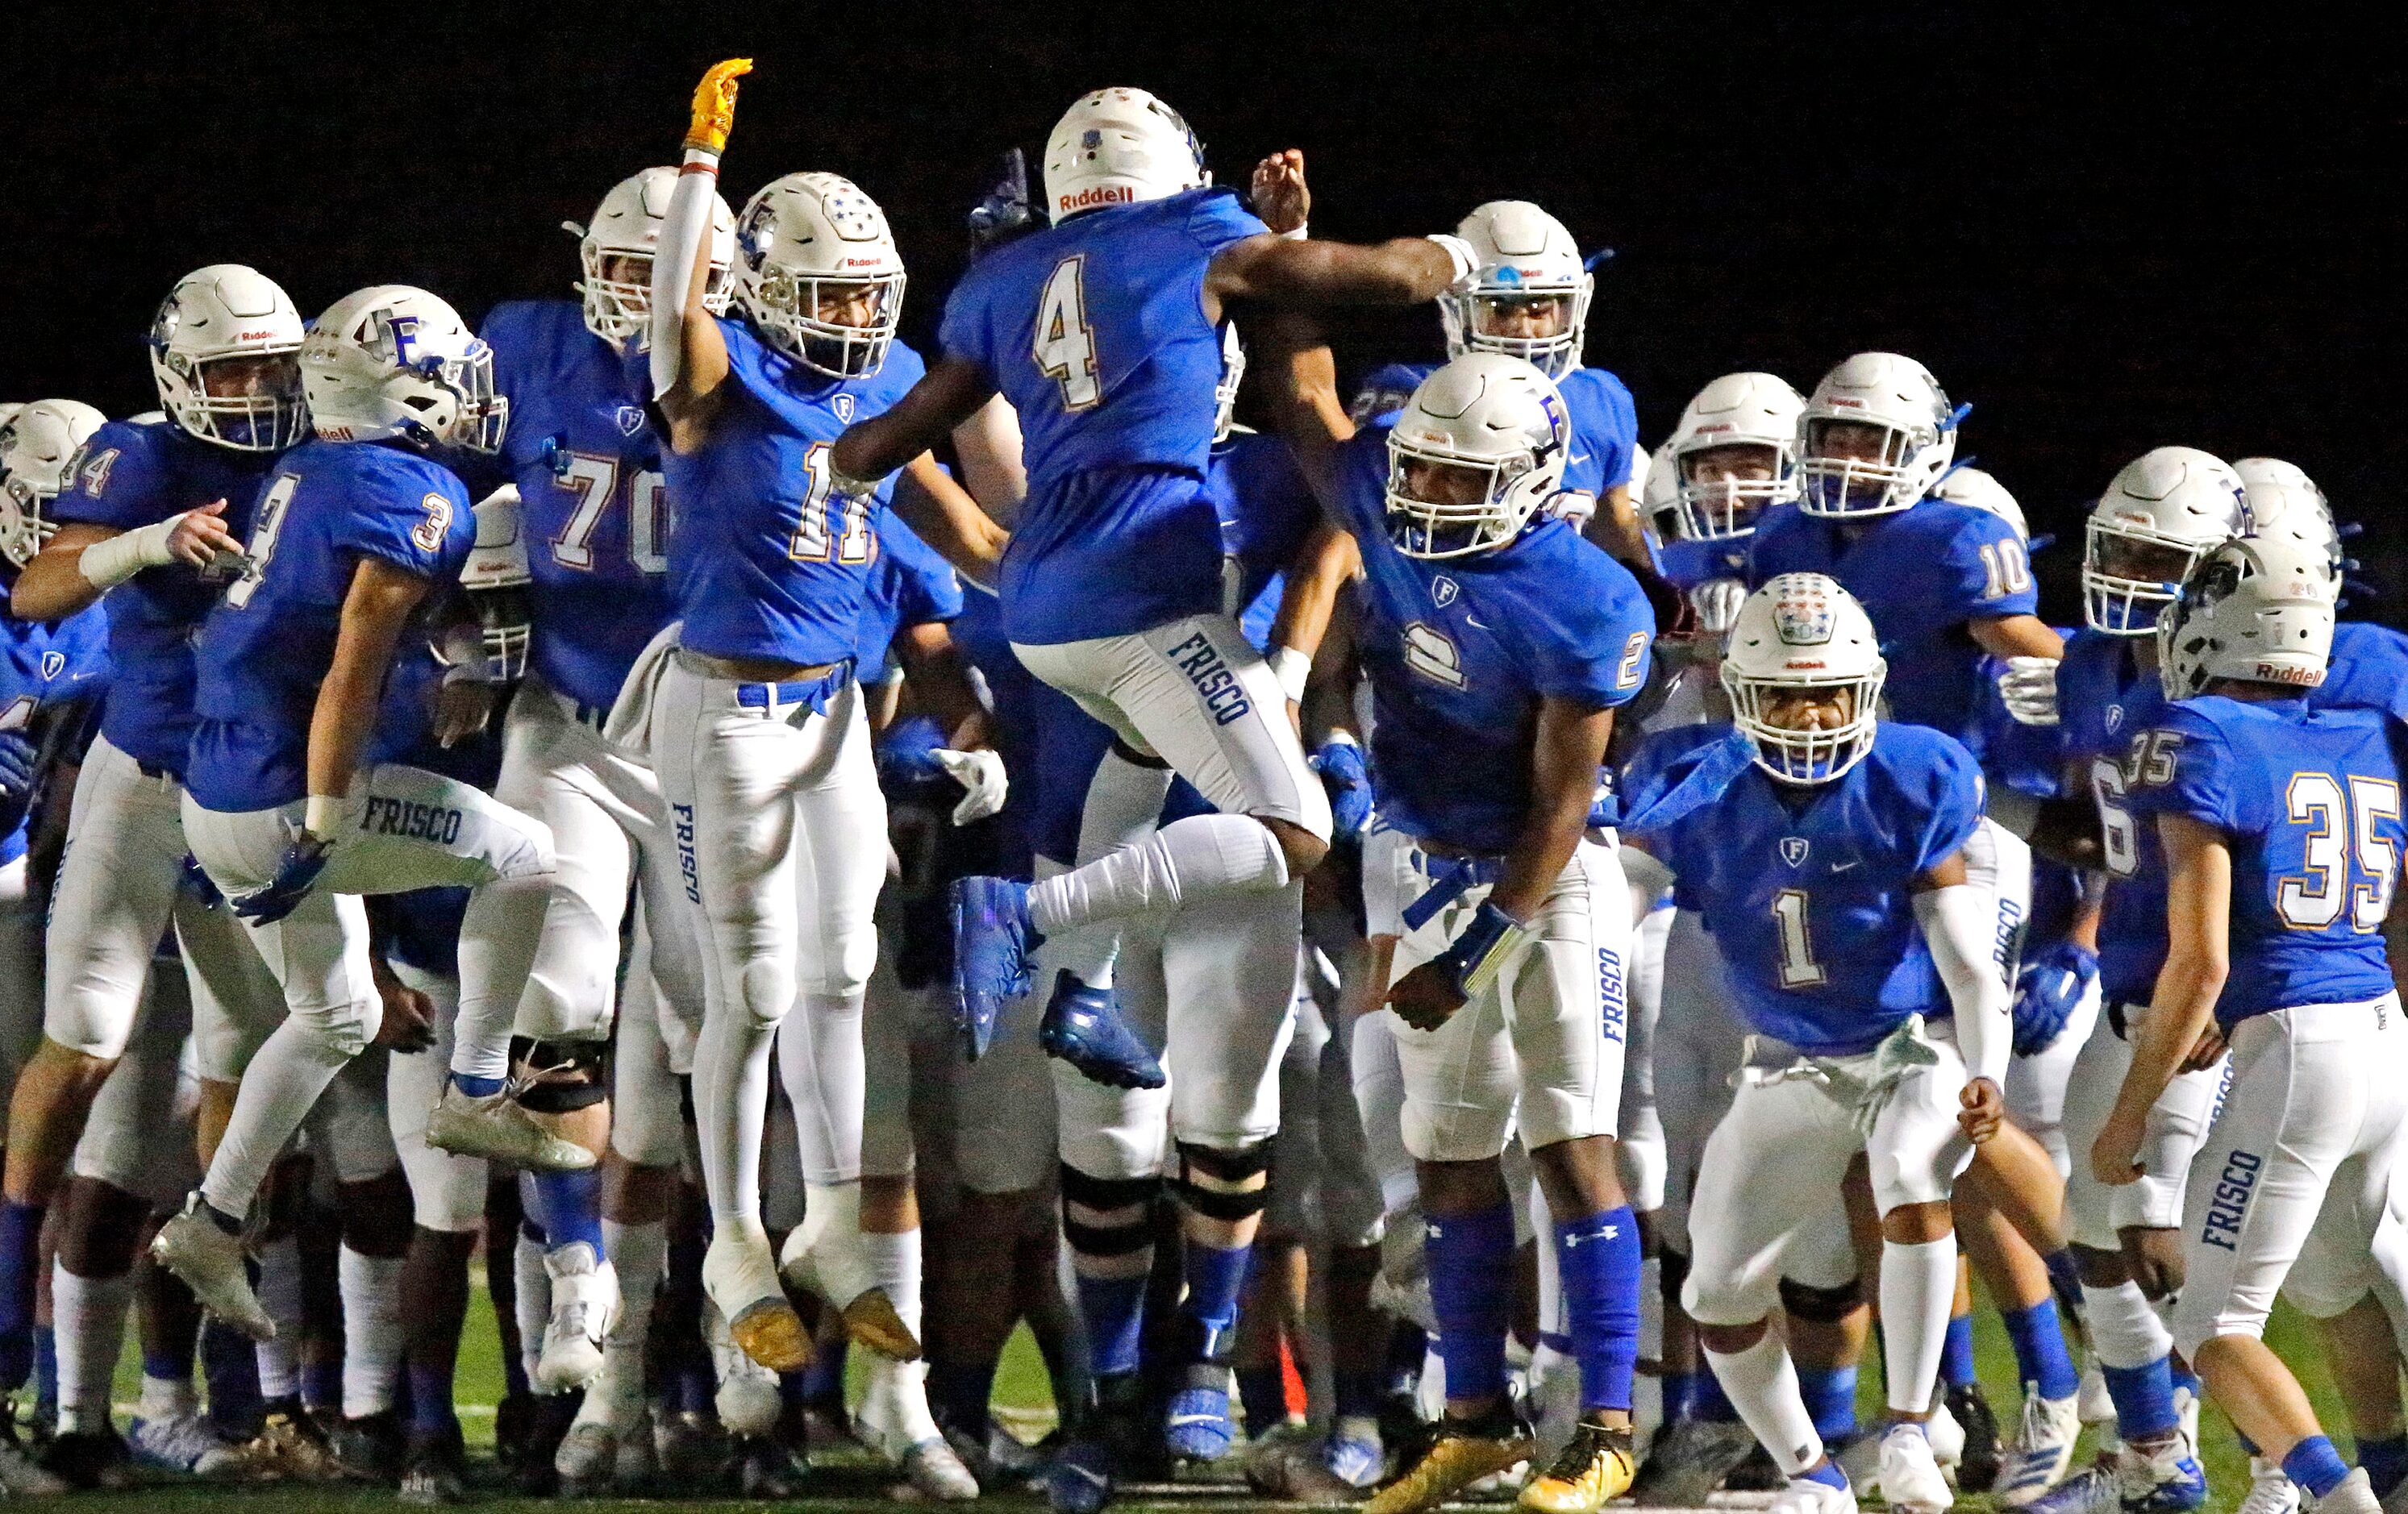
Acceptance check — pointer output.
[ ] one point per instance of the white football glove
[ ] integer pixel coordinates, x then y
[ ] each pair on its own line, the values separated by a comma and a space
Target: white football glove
2028, 686
1717, 602
981, 774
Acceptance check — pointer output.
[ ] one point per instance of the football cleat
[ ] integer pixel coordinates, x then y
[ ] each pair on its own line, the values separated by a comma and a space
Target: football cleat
435, 1471
1977, 1466
495, 1127
1689, 1459
1082, 1026
1465, 1451
741, 1277
2041, 1452
1809, 1495
585, 1308
747, 1402
1593, 1468
1081, 1479
210, 1262
182, 1443
992, 943
1195, 1425
2271, 1490
1910, 1483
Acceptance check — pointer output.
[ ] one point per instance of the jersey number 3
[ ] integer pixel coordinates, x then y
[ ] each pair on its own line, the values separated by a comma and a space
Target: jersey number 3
1065, 344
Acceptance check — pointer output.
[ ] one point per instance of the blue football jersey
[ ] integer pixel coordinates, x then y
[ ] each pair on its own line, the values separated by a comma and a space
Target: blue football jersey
1605, 427
1921, 574
1460, 653
2029, 759
2369, 670
2310, 804
45, 666
1266, 510
2105, 702
593, 498
760, 566
131, 474
1809, 890
909, 585
1688, 563
1094, 331
271, 642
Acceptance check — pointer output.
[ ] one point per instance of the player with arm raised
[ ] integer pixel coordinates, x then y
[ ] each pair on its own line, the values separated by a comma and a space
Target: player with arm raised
1103, 333
1826, 854
287, 806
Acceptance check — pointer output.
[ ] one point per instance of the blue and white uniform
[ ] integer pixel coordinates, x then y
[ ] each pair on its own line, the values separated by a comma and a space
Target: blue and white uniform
261, 655
2291, 1192
1113, 588
1808, 892
1605, 435
116, 887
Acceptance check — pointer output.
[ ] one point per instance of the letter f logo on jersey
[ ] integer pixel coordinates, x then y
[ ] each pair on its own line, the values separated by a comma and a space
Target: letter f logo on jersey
1793, 849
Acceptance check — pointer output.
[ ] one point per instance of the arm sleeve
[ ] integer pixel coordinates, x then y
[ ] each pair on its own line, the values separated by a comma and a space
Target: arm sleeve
1960, 925
681, 237
1985, 570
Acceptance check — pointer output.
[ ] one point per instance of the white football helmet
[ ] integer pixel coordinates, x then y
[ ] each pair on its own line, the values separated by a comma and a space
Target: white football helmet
807, 244
222, 316
1966, 485
1658, 488
1118, 146
1895, 394
496, 575
616, 250
2165, 511
2258, 609
2280, 493
1525, 256
1801, 631
394, 361
1737, 410
37, 446
1233, 373
1493, 417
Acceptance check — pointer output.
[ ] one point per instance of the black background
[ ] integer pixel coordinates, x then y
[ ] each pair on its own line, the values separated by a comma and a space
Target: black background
2109, 228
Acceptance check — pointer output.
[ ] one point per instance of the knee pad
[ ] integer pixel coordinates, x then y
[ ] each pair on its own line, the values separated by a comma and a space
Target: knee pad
344, 1028
767, 991
1109, 1195
1226, 1166
1819, 1306
560, 1076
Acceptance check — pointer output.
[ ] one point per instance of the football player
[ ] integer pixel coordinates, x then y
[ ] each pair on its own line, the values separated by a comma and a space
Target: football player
1825, 851
1498, 645
1103, 333
154, 511
289, 809
2281, 837
757, 725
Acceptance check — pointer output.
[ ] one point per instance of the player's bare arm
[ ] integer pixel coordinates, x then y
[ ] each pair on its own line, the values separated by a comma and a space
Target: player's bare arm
61, 579
948, 394
949, 519
376, 611
2016, 635
2199, 904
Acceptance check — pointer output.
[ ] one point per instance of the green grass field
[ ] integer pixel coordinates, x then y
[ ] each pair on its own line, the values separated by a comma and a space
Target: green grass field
855, 1484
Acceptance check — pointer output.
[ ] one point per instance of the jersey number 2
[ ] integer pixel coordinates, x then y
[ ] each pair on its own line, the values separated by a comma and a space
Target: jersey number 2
2341, 828
1065, 344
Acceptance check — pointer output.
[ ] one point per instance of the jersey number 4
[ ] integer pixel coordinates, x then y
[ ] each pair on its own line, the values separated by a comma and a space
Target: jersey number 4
2343, 829
595, 481
1065, 344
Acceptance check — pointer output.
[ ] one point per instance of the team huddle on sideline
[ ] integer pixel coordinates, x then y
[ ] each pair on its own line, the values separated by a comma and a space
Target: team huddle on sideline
766, 829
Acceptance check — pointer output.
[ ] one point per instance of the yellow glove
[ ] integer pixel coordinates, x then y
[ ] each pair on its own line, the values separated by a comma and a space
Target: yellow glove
714, 106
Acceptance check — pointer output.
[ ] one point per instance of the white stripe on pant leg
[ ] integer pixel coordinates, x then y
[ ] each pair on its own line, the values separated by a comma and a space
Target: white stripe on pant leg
110, 903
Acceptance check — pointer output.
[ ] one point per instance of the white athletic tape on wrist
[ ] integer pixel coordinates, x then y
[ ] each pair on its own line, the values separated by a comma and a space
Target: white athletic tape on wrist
105, 564
1291, 668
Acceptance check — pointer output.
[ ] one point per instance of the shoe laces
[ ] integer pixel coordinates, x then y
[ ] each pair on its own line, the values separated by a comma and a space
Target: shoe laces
2269, 1492
1580, 1453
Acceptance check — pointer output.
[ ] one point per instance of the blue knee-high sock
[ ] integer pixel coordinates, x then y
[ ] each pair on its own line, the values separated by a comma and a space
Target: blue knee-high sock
1114, 1311
2144, 1398
823, 1380
1830, 1395
2313, 1464
570, 1204
1956, 1353
1598, 1259
2386, 1461
960, 1392
20, 1241
1472, 1289
2040, 1356
2185, 1380
431, 1414
46, 1367
1215, 1279
474, 1087
230, 1368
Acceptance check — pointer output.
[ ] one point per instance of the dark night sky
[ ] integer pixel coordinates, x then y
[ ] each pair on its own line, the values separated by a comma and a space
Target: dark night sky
2108, 232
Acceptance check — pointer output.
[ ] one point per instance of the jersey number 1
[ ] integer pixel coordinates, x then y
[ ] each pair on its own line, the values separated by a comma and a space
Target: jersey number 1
853, 542
1065, 344
1798, 968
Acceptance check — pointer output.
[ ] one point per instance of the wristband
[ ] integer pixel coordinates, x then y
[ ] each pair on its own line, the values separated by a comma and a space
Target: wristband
1294, 234
846, 485
699, 160
1479, 953
105, 564
1291, 667
322, 816
1467, 261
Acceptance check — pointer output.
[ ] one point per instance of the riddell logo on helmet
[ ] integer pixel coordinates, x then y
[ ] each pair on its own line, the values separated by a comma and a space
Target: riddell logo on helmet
253, 335
1087, 199
2273, 673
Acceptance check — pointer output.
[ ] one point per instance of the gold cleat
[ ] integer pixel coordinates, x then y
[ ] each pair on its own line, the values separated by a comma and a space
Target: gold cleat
1593, 1468
290, 1448
772, 1333
1464, 1452
872, 1321
740, 1277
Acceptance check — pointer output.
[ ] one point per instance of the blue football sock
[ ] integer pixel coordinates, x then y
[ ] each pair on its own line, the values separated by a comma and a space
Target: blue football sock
1263, 1393
1956, 1353
1215, 1279
961, 1391
2186, 1381
430, 1401
1828, 1475
1472, 1289
2144, 1398
1598, 1259
20, 1241
322, 1385
570, 1204
2386, 1461
2313, 1464
823, 1380
1114, 1310
230, 1367
46, 1367
476, 1088
1830, 1395
2040, 1356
